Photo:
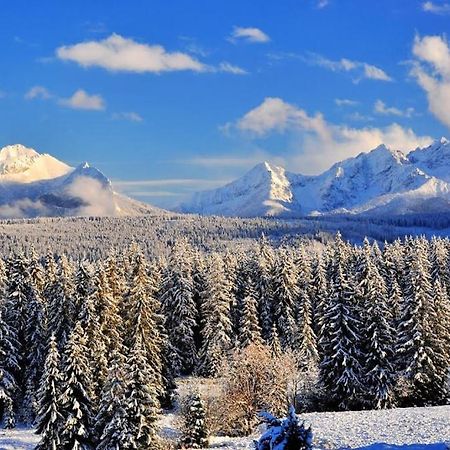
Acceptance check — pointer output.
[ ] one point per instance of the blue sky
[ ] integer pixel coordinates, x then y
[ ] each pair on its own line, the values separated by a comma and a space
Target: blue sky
171, 97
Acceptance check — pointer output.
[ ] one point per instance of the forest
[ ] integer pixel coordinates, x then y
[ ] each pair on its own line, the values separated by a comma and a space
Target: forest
92, 349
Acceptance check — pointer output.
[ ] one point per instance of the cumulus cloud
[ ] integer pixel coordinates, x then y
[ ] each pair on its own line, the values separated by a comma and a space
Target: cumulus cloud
357, 68
431, 69
120, 54
250, 34
321, 143
381, 108
38, 92
441, 9
82, 100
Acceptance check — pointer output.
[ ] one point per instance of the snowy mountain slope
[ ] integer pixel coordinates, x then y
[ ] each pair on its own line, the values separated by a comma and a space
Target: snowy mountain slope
381, 180
33, 184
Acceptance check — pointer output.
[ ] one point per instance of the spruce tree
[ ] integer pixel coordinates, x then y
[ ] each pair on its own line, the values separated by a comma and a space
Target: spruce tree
285, 297
77, 393
195, 431
179, 307
216, 330
377, 335
49, 419
340, 367
9, 365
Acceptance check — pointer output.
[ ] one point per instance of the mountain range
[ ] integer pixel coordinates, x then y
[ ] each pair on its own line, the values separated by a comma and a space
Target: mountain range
34, 184
382, 181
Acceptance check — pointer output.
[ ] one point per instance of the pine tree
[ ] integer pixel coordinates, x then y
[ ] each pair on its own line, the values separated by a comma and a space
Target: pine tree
340, 368
180, 310
77, 394
377, 335
49, 419
9, 365
285, 297
143, 320
61, 314
195, 432
249, 331
134, 415
110, 408
319, 295
306, 345
35, 338
265, 262
216, 331
414, 347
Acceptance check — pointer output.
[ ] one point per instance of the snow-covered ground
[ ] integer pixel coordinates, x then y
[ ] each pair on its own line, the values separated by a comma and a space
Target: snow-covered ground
408, 429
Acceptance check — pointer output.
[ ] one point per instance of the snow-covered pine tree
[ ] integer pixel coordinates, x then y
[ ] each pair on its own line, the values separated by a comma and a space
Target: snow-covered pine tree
265, 262
274, 344
35, 351
9, 366
306, 344
340, 368
319, 293
377, 334
49, 418
77, 393
216, 331
18, 294
180, 309
439, 329
195, 430
110, 408
284, 434
143, 320
61, 304
107, 306
414, 348
285, 297
133, 421
249, 331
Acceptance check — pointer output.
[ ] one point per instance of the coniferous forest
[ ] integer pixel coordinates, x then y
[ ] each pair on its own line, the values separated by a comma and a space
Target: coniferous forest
92, 350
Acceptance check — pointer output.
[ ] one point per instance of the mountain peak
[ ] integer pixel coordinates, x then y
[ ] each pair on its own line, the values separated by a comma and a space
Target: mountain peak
16, 159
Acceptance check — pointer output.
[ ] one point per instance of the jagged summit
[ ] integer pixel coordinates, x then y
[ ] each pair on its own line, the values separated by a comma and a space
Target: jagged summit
382, 179
34, 184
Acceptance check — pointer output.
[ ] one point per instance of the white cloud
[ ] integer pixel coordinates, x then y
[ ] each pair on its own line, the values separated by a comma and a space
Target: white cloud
381, 108
231, 68
130, 116
250, 34
322, 3
116, 53
97, 200
442, 9
82, 100
432, 72
358, 68
345, 102
322, 143
38, 92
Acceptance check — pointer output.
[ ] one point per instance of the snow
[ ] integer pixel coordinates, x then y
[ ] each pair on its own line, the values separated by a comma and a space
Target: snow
34, 184
393, 429
381, 180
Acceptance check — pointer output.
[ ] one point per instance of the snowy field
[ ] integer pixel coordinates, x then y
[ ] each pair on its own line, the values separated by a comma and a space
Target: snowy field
409, 428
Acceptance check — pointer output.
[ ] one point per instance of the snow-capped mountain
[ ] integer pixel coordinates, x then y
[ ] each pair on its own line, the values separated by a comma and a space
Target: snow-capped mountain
34, 184
381, 181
